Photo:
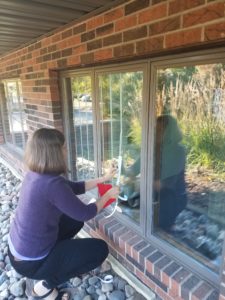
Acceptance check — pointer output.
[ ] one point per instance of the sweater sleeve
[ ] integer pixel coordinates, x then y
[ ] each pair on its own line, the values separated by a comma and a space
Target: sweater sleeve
78, 187
63, 197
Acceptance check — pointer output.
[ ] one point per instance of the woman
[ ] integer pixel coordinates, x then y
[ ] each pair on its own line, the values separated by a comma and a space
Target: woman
49, 214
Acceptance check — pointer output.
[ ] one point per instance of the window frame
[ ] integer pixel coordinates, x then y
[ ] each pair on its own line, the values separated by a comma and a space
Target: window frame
12, 145
149, 66
207, 57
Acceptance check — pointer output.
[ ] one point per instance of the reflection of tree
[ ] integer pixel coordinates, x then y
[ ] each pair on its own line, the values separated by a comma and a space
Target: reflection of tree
81, 85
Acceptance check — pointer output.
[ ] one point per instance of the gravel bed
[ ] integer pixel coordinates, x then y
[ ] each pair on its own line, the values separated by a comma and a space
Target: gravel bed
12, 284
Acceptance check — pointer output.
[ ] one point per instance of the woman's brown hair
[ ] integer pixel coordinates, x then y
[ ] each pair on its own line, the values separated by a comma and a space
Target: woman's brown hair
44, 152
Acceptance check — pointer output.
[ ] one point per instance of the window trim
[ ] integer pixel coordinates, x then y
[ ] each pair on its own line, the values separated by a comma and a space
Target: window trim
149, 85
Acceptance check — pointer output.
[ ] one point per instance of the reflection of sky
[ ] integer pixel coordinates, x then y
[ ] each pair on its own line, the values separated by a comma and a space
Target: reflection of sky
82, 116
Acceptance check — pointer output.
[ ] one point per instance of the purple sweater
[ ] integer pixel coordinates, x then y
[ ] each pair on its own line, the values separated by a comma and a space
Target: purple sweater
43, 199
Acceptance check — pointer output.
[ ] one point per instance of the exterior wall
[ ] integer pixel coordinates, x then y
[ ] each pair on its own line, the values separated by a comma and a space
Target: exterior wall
136, 29
1, 124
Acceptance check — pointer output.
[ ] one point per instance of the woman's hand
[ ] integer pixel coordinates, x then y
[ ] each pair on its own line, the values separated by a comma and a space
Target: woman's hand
112, 193
110, 174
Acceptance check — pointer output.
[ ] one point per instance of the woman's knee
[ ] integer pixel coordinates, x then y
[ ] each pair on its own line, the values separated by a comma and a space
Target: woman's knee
103, 249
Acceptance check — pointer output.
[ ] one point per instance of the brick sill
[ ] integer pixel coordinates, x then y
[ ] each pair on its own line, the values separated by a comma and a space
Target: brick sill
167, 278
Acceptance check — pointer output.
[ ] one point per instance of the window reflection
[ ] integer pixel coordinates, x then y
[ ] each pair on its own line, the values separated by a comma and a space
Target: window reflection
120, 122
189, 172
15, 127
83, 127
169, 183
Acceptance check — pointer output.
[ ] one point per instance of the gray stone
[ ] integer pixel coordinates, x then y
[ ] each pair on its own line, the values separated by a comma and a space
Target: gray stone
107, 287
90, 290
17, 288
129, 290
102, 297
76, 281
88, 297
117, 295
93, 280
121, 284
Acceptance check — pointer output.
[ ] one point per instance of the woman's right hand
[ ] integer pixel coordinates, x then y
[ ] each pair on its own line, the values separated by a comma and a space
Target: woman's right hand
112, 193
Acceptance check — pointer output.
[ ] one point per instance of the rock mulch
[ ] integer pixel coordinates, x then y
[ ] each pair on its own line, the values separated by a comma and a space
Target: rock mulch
12, 284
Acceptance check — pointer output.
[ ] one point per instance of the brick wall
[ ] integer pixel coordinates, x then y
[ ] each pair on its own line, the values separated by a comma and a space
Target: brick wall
136, 29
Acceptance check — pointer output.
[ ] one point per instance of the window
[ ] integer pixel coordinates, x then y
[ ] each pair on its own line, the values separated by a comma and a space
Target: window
162, 123
14, 118
189, 169
106, 129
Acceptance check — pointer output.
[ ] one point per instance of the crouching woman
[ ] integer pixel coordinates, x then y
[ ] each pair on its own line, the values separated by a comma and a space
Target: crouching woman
49, 215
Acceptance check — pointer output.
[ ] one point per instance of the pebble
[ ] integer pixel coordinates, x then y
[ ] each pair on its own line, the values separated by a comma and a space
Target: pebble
12, 284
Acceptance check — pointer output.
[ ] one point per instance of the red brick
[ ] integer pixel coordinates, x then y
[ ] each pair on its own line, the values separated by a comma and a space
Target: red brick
124, 50
145, 279
176, 6
182, 38
149, 266
104, 30
79, 29
103, 54
202, 290
164, 26
95, 44
135, 6
112, 39
203, 15
149, 45
134, 34
126, 22
94, 22
165, 279
79, 49
215, 31
153, 13
174, 288
74, 60
73, 41
114, 14
163, 294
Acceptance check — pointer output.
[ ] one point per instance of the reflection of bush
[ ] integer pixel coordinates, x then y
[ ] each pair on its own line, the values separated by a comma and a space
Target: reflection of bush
196, 97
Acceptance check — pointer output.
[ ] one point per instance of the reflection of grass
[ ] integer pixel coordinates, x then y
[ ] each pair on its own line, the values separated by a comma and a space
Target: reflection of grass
205, 142
198, 102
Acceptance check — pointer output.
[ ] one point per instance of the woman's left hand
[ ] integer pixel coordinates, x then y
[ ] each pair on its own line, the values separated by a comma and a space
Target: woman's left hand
110, 174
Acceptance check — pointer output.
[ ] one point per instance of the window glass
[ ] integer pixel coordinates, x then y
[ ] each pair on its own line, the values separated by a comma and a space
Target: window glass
83, 127
189, 170
15, 128
120, 98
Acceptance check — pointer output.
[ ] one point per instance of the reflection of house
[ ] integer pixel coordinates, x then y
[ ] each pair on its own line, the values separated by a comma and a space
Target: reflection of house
125, 37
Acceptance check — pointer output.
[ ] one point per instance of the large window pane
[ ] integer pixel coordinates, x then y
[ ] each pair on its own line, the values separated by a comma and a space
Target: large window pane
189, 171
83, 127
120, 96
